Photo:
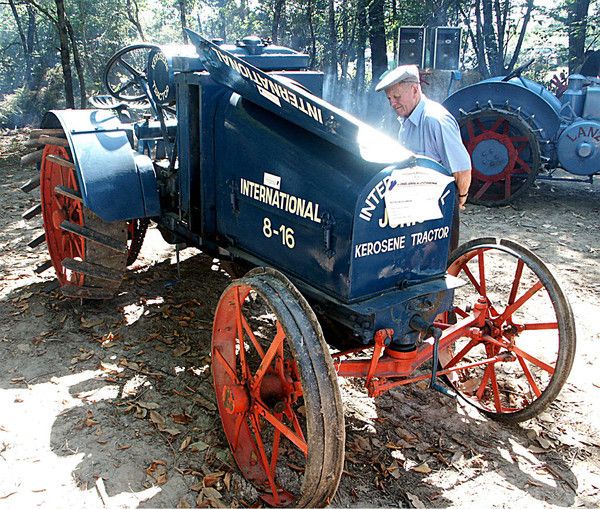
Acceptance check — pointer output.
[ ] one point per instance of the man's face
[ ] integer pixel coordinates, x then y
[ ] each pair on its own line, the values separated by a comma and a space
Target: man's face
403, 97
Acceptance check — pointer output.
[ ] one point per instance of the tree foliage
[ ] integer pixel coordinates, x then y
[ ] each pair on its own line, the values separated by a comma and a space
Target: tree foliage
353, 41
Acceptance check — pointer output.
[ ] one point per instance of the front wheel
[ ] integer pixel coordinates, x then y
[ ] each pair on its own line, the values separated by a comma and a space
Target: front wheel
516, 364
277, 391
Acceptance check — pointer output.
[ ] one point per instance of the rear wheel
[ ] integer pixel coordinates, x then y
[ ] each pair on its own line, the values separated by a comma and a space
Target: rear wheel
88, 254
527, 345
505, 155
277, 391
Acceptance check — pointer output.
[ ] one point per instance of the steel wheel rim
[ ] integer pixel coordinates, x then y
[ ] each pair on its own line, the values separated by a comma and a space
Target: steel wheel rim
536, 356
253, 409
57, 208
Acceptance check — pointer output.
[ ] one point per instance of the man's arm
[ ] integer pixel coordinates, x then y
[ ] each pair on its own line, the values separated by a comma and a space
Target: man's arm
463, 181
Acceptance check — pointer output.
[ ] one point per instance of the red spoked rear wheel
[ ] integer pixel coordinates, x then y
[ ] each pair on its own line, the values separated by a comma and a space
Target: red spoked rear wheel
505, 154
87, 253
528, 340
61, 202
277, 391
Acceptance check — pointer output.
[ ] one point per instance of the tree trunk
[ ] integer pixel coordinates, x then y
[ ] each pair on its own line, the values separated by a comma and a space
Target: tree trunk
577, 11
361, 44
65, 58
26, 40
133, 15
517, 49
278, 7
331, 44
494, 58
311, 27
78, 65
377, 39
182, 17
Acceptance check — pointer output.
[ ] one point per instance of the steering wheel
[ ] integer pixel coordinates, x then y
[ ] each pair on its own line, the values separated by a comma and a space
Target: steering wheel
126, 73
515, 73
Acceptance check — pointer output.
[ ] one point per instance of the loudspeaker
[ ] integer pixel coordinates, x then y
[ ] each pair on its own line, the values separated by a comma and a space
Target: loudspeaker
411, 45
446, 48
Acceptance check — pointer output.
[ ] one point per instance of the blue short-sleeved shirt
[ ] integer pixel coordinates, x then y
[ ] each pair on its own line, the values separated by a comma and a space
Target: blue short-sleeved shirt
432, 131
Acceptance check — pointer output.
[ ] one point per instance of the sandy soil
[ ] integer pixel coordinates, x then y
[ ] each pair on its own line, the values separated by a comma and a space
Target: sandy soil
111, 404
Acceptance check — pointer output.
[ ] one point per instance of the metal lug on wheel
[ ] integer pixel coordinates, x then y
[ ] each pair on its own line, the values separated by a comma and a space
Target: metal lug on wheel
32, 212
43, 267
31, 184
36, 241
31, 159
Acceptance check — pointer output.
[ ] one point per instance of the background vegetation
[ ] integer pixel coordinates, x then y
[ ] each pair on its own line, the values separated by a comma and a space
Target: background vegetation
52, 52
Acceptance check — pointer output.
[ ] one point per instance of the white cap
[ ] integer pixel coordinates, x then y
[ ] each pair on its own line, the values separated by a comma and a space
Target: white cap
401, 74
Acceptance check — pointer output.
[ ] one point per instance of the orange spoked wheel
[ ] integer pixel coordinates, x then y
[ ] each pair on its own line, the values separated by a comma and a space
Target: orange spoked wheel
528, 340
277, 391
61, 201
88, 254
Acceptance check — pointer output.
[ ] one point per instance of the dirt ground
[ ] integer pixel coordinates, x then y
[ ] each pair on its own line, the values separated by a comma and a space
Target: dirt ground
110, 404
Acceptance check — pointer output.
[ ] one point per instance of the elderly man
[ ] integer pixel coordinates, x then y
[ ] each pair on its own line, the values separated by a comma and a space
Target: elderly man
426, 127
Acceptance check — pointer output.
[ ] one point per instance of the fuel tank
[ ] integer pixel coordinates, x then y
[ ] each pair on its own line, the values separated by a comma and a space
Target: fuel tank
318, 211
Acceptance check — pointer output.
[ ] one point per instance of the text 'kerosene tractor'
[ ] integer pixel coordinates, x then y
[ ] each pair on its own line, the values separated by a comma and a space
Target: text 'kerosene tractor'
514, 128
347, 233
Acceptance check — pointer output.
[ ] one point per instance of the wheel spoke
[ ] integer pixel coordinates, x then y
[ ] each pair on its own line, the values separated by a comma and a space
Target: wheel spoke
495, 389
483, 189
275, 450
268, 357
124, 87
524, 166
480, 125
240, 335
459, 356
497, 124
507, 187
481, 265
520, 301
529, 376
474, 282
540, 326
516, 281
252, 337
470, 129
284, 429
518, 351
260, 447
218, 356
132, 70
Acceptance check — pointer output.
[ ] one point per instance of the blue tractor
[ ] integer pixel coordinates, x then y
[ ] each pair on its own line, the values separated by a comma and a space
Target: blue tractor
515, 128
341, 237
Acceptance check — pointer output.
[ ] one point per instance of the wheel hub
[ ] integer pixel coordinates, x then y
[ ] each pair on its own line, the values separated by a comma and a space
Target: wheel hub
493, 154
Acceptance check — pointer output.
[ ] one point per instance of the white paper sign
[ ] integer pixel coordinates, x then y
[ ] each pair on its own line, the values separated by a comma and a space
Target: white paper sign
412, 195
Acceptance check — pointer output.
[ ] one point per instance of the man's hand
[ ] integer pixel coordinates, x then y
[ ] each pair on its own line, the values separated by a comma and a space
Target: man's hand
463, 181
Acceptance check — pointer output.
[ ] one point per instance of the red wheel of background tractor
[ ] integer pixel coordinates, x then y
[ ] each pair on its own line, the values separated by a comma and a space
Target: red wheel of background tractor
505, 155
87, 253
277, 391
529, 331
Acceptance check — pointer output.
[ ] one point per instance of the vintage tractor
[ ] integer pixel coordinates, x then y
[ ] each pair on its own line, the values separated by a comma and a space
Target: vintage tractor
514, 128
346, 235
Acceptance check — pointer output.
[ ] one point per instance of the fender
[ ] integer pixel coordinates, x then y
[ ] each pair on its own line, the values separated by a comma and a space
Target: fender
116, 182
540, 108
